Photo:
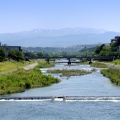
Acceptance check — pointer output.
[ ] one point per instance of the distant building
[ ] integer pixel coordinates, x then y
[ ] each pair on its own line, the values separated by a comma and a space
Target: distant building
9, 48
117, 38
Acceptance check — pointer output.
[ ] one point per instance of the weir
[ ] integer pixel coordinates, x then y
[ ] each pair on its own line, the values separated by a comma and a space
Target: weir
63, 98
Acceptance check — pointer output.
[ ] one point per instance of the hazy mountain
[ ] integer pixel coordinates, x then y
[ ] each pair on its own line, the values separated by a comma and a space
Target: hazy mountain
58, 38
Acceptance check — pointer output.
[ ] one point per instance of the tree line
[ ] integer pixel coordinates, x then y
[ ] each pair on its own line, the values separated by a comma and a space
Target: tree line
111, 50
12, 54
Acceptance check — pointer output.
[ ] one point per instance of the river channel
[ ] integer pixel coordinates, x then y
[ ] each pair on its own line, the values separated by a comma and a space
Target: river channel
94, 84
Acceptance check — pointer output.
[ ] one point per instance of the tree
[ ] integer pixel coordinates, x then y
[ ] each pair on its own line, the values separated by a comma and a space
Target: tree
30, 55
19, 55
40, 54
2, 54
101, 48
16, 55
98, 49
12, 54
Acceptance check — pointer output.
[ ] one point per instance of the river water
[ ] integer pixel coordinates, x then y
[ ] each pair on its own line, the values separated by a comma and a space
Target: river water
94, 84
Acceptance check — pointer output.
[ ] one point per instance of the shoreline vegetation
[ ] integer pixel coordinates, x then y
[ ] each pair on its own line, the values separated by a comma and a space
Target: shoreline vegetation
44, 64
72, 72
116, 62
20, 80
112, 72
99, 65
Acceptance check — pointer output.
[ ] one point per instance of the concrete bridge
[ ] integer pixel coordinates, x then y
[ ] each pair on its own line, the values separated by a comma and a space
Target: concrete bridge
109, 58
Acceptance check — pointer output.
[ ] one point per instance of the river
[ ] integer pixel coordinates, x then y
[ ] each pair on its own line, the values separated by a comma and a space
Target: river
94, 84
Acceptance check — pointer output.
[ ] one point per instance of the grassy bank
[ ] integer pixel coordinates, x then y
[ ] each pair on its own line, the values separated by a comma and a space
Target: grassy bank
12, 65
68, 73
20, 80
116, 62
113, 74
44, 64
99, 65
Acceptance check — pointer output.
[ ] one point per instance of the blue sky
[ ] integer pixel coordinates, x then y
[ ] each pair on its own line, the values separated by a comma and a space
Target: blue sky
21, 15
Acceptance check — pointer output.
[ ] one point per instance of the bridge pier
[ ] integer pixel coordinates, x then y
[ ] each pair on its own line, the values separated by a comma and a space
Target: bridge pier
53, 99
90, 61
48, 60
64, 98
69, 62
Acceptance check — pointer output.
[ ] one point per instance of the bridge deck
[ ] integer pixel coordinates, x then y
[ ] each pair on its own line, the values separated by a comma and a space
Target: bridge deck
78, 57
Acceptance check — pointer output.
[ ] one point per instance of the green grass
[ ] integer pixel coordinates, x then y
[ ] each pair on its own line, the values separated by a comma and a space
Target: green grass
117, 61
113, 75
44, 64
12, 65
20, 80
99, 65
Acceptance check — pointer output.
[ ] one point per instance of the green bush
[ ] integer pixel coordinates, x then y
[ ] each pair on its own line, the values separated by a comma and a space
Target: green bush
117, 61
21, 79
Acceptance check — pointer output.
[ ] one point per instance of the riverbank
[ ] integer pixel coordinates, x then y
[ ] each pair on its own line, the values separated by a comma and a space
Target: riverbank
20, 80
112, 74
10, 66
44, 64
99, 65
113, 71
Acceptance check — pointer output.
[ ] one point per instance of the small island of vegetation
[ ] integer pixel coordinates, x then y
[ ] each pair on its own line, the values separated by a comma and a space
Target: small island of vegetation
71, 72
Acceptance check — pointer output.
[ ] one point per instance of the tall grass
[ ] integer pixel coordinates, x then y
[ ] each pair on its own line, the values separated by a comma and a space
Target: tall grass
20, 80
113, 74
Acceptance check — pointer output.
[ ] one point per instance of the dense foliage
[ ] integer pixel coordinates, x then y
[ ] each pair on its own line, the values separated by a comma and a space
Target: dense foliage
16, 55
21, 80
111, 50
113, 74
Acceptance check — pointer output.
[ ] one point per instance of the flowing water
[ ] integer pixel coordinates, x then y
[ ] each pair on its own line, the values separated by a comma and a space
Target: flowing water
92, 85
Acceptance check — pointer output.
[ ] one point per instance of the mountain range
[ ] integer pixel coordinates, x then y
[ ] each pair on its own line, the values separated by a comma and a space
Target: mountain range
65, 37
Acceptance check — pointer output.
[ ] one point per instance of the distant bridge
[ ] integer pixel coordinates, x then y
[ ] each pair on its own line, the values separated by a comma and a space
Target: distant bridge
108, 58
